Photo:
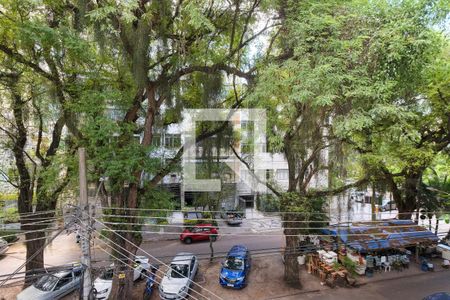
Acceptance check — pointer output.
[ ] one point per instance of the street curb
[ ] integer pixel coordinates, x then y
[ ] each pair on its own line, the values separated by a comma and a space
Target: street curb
408, 276
356, 286
295, 294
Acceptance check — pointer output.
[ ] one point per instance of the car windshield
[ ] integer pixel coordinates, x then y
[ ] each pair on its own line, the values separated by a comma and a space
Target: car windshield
234, 263
46, 283
179, 271
107, 274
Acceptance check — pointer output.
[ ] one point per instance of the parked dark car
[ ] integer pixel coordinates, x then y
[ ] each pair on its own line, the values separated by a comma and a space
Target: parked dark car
200, 232
235, 268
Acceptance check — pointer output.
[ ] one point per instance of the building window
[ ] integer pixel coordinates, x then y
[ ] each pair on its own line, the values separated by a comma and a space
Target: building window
156, 140
172, 140
283, 174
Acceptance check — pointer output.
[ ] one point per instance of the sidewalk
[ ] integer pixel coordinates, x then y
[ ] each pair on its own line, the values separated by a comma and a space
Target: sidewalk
266, 281
413, 270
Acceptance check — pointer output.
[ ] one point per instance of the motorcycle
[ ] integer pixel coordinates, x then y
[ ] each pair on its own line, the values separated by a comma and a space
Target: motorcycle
149, 285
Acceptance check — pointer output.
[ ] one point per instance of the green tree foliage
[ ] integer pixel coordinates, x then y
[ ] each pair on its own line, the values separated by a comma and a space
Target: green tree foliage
348, 76
400, 134
365, 81
139, 58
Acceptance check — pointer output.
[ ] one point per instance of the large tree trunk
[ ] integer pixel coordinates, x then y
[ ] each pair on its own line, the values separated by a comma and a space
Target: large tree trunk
291, 275
128, 198
123, 248
408, 203
436, 229
27, 170
291, 271
122, 287
25, 181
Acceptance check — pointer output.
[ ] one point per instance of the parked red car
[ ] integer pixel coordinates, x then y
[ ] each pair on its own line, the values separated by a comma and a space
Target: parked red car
200, 232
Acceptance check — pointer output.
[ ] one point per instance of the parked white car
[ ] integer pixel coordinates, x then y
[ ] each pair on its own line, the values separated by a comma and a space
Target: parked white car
3, 246
178, 279
388, 205
103, 284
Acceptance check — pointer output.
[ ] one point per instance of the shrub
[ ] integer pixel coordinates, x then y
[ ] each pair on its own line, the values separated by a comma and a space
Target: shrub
350, 265
268, 203
162, 221
10, 235
190, 222
8, 197
10, 215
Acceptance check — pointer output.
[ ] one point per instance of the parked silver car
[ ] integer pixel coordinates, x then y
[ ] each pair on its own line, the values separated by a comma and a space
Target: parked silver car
53, 285
232, 218
179, 277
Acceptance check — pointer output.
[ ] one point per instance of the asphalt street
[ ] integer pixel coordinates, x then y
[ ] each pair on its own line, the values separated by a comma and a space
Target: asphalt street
65, 250
168, 249
406, 288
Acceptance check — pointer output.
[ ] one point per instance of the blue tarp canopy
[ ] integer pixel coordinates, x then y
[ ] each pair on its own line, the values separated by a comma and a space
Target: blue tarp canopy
383, 235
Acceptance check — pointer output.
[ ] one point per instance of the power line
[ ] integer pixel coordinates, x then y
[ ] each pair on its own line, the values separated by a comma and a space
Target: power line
31, 258
207, 219
33, 213
156, 275
243, 227
264, 234
153, 258
30, 231
242, 212
99, 233
136, 256
133, 244
252, 219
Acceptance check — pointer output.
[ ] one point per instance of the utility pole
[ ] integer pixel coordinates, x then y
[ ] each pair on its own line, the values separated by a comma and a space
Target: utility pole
85, 232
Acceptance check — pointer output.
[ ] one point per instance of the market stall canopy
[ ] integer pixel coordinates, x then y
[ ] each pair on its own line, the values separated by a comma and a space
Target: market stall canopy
390, 234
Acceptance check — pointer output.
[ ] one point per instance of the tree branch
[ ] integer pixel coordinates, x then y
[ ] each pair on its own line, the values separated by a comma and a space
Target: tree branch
40, 129
267, 184
7, 179
209, 69
56, 137
19, 58
336, 191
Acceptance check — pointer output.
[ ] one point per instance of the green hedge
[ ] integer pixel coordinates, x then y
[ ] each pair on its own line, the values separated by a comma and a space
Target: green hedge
10, 215
193, 222
8, 197
10, 238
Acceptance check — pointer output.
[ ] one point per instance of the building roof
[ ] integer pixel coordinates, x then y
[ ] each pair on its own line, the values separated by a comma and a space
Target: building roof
383, 235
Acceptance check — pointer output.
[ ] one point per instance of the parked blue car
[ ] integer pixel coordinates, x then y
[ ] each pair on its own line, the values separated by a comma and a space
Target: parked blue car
438, 296
235, 268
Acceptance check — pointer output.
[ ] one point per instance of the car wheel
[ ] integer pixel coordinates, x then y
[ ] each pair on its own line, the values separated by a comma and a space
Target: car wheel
143, 275
188, 240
